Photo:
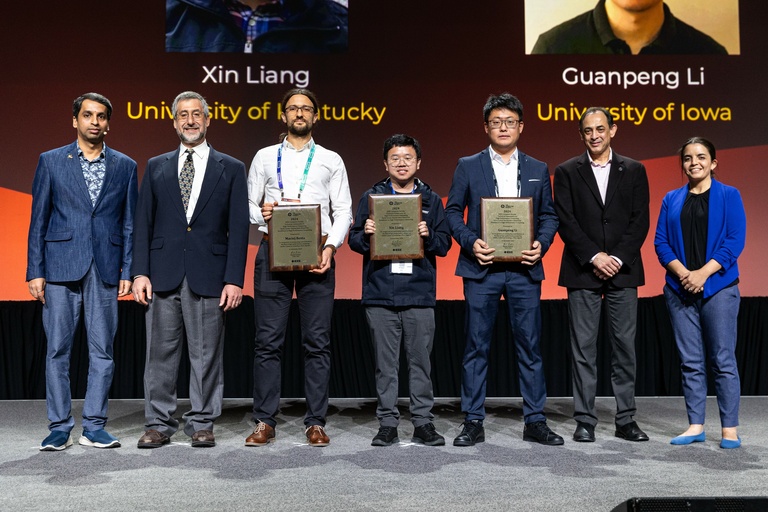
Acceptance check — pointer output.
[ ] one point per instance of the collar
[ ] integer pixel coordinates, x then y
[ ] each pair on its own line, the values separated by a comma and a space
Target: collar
608, 38
200, 151
497, 157
308, 145
607, 164
102, 155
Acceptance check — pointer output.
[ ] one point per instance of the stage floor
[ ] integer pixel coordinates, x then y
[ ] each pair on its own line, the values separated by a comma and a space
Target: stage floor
504, 473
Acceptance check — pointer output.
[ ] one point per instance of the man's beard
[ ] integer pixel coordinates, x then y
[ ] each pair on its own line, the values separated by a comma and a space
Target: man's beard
300, 130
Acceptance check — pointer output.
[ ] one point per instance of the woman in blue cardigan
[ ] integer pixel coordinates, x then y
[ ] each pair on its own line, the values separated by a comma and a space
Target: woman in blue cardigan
699, 236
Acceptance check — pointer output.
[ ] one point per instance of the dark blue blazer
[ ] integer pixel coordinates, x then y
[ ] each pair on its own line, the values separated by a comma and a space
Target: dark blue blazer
67, 232
212, 249
473, 180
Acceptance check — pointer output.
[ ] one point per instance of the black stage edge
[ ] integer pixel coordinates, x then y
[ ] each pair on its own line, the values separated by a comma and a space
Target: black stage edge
723, 504
22, 352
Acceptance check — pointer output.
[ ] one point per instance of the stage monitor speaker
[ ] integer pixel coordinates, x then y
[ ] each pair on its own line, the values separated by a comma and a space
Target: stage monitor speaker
720, 504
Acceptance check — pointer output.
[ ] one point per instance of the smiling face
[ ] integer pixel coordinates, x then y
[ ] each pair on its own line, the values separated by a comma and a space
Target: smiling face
91, 122
597, 134
190, 122
697, 163
401, 165
503, 138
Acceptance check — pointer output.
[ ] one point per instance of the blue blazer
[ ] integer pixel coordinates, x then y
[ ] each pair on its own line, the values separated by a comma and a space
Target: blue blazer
473, 180
67, 232
726, 235
212, 249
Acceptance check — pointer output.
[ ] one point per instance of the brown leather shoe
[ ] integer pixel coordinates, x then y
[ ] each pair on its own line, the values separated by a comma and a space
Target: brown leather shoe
203, 439
261, 435
153, 439
316, 436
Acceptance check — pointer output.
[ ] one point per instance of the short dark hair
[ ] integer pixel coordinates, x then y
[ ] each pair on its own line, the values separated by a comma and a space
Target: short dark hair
503, 100
189, 95
93, 96
595, 110
300, 90
401, 140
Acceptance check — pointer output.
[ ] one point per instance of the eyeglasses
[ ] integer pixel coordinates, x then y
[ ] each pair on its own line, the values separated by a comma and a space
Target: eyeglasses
508, 122
196, 115
304, 108
407, 160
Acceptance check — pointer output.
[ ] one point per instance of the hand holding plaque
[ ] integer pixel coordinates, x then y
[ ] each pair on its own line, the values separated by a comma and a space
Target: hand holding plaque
397, 218
507, 226
295, 237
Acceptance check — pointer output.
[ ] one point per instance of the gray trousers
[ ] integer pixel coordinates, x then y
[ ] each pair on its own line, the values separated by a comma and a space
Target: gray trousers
584, 311
169, 317
415, 327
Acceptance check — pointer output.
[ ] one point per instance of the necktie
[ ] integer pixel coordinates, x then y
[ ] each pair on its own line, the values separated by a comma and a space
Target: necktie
186, 177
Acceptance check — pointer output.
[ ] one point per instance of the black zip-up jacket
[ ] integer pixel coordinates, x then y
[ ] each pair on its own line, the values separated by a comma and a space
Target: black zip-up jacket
380, 286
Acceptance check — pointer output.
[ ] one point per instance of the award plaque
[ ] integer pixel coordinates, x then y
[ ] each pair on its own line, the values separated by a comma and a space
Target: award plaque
294, 237
507, 226
397, 218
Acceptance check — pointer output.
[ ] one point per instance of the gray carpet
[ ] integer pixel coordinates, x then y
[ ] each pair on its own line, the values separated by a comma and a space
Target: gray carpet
504, 473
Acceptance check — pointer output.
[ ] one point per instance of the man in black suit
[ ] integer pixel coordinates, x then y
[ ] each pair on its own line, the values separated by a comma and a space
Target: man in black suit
602, 200
190, 248
501, 170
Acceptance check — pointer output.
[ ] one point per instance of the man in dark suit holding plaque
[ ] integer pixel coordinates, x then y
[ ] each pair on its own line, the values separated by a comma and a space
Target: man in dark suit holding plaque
297, 170
399, 293
602, 201
190, 249
501, 170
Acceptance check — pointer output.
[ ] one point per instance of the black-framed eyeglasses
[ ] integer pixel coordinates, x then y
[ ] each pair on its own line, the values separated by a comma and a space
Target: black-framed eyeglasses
304, 108
508, 122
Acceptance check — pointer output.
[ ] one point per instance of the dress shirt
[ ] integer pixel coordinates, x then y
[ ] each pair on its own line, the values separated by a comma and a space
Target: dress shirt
602, 172
93, 171
505, 173
200, 159
327, 185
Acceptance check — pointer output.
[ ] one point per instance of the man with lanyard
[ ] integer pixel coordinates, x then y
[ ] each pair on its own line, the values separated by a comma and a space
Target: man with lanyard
296, 171
399, 296
501, 170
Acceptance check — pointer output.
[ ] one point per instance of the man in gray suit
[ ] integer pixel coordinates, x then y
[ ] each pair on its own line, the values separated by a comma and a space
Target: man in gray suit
190, 247
79, 259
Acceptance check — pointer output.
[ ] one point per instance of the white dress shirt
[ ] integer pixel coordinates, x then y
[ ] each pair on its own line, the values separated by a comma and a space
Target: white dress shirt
200, 160
327, 185
506, 174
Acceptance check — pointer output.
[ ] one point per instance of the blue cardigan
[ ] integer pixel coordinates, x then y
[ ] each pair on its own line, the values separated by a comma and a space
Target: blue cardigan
726, 235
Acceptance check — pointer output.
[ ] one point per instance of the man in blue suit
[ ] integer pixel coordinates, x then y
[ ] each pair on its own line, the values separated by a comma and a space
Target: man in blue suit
79, 259
501, 170
190, 247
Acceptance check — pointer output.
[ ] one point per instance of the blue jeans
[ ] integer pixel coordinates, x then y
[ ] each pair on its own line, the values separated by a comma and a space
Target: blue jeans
61, 314
705, 330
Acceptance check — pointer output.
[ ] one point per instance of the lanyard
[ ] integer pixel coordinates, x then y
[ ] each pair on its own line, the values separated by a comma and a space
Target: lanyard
280, 174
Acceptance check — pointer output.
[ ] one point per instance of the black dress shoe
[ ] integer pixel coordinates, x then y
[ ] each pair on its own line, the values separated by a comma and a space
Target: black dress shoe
472, 432
585, 433
539, 432
631, 432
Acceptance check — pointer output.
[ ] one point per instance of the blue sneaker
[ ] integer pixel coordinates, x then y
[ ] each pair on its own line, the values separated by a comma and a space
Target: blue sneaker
56, 441
99, 439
